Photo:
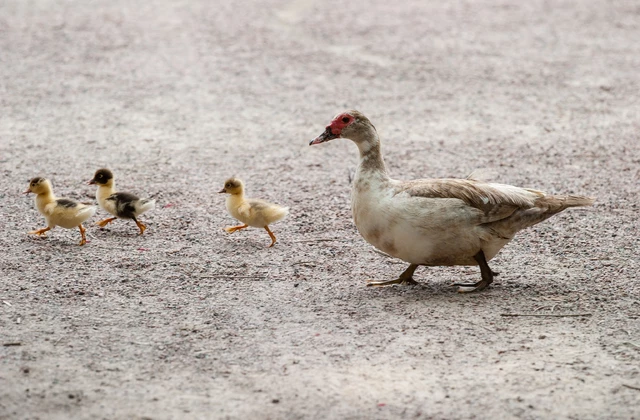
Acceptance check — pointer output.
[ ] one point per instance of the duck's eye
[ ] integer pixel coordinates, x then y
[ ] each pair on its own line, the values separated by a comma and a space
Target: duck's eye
345, 119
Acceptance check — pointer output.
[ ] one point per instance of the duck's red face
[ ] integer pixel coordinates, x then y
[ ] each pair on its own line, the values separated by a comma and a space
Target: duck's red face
334, 130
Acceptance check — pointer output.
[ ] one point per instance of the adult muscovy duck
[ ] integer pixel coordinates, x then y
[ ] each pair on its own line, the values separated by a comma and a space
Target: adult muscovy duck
436, 222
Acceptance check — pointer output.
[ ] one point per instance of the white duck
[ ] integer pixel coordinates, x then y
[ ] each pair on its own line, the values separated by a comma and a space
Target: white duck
62, 212
436, 222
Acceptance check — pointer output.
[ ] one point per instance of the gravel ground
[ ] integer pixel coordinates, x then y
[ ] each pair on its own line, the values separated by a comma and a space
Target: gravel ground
190, 322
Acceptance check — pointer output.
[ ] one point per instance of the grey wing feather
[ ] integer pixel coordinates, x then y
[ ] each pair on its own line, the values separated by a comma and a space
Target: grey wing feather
125, 204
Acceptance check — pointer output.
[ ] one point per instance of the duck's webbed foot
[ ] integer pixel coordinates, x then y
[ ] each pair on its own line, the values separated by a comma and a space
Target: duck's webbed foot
231, 229
405, 279
40, 232
485, 271
82, 234
140, 225
271, 235
105, 222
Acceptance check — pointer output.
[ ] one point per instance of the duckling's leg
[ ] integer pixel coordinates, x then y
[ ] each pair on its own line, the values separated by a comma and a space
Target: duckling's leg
273, 237
232, 229
105, 222
40, 232
141, 226
485, 271
84, 238
405, 279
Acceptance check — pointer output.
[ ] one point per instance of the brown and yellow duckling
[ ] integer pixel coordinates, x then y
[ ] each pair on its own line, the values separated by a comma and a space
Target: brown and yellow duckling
62, 212
250, 211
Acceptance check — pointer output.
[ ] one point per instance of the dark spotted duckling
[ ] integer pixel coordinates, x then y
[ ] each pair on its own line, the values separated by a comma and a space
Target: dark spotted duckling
122, 205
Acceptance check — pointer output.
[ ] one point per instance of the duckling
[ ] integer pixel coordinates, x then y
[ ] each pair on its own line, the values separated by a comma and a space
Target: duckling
436, 222
122, 205
250, 211
62, 212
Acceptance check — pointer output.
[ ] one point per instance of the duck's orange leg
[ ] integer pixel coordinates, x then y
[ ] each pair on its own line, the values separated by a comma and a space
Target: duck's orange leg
141, 226
40, 232
273, 237
105, 222
84, 238
232, 229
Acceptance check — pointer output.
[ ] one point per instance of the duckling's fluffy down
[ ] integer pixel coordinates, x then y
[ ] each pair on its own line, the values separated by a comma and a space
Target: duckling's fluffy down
261, 213
67, 217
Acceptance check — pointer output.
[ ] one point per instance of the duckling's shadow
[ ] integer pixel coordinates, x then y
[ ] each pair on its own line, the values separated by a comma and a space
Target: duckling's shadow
249, 243
52, 243
108, 232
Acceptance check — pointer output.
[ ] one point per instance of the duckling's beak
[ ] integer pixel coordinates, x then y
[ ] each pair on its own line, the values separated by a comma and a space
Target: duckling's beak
93, 181
27, 191
222, 191
326, 136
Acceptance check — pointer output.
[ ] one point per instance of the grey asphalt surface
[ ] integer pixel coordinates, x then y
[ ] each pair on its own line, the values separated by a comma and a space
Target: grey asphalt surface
190, 322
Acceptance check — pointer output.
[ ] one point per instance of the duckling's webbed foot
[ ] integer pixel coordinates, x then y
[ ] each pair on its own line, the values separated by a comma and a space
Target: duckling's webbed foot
485, 271
40, 232
273, 237
231, 229
105, 222
84, 238
141, 226
405, 279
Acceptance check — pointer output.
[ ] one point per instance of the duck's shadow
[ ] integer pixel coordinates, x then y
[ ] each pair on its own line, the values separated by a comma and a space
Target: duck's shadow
434, 290
250, 244
114, 233
53, 243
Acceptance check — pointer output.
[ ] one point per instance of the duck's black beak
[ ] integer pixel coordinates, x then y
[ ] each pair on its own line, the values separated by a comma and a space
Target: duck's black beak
222, 191
93, 181
326, 136
27, 191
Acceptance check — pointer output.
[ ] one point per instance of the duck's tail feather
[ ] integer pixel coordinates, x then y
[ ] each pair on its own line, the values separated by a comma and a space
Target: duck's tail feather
557, 203
86, 212
146, 204
545, 207
278, 214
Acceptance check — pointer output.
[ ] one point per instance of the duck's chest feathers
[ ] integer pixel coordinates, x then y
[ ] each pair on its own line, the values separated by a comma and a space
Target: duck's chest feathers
102, 195
42, 201
233, 203
370, 207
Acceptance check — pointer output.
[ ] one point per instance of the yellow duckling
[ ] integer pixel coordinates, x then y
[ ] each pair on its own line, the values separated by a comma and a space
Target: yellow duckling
62, 212
122, 205
250, 211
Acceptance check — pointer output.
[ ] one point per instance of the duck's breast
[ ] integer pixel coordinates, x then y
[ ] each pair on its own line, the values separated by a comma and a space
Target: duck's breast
429, 231
102, 195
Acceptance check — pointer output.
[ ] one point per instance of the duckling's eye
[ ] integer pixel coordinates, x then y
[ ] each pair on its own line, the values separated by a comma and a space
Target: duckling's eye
345, 119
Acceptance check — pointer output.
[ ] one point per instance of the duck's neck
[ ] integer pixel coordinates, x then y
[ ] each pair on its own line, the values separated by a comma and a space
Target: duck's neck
43, 199
105, 191
371, 161
236, 199
46, 197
